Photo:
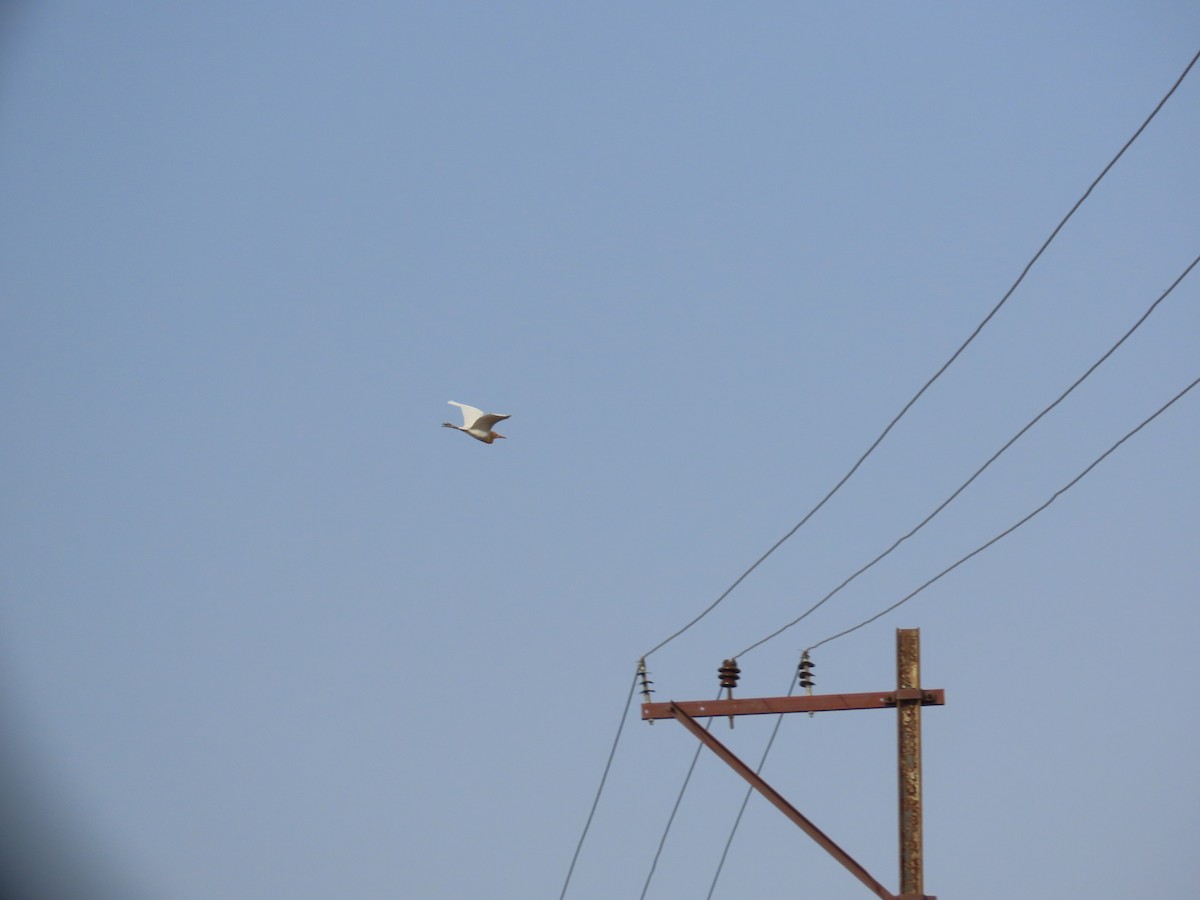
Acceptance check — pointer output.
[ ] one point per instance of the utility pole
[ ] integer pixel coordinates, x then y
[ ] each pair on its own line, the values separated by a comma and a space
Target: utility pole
908, 746
907, 699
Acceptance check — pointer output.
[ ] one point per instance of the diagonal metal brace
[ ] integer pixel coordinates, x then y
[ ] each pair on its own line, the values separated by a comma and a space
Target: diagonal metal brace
780, 803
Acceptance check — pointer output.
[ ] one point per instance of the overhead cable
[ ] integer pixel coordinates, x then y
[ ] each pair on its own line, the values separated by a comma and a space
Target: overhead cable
1006, 532
865, 622
737, 821
662, 841
599, 790
1078, 381
936, 375
903, 411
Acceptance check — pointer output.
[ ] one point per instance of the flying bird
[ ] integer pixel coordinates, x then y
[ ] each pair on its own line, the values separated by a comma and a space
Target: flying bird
476, 423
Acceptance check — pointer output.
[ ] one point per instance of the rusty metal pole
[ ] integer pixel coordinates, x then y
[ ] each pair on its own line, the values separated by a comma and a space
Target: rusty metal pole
908, 716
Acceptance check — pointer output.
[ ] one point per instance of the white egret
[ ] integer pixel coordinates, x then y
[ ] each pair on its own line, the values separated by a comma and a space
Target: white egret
476, 423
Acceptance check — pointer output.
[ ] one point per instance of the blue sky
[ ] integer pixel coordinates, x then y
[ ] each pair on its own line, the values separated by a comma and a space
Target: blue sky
268, 630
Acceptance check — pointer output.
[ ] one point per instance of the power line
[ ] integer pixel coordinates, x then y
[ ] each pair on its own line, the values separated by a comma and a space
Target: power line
683, 790
997, 538
1013, 527
1092, 368
947, 570
599, 790
737, 821
662, 841
936, 375
903, 411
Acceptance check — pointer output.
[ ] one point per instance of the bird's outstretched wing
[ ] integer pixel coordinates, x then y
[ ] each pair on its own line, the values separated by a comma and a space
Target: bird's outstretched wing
471, 415
488, 420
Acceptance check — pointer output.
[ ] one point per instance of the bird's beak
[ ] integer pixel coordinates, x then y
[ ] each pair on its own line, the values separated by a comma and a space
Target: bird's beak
494, 434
